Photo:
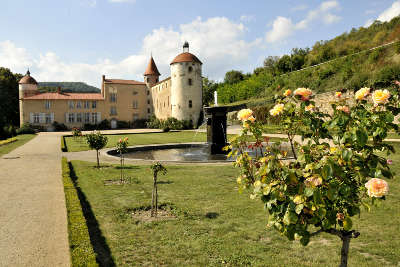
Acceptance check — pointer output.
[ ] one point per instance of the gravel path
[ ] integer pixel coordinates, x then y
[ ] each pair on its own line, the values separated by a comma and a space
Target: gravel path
33, 219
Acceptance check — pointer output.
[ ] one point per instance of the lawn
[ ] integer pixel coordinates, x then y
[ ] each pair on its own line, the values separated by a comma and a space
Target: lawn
21, 139
217, 226
75, 144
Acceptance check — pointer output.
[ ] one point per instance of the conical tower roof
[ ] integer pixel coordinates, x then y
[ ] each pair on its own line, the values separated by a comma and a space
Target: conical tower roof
152, 68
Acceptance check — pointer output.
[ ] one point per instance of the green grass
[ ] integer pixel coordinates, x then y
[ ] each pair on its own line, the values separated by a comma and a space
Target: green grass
74, 144
21, 139
217, 226
81, 250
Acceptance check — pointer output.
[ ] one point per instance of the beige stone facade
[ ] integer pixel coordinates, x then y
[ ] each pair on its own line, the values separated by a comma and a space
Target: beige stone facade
178, 96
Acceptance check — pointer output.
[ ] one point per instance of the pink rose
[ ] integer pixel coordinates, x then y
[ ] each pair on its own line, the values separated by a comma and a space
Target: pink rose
377, 187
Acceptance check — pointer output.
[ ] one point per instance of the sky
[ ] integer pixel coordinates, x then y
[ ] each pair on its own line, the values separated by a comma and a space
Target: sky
80, 40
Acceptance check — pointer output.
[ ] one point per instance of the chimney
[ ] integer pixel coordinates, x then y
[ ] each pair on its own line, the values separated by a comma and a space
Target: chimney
59, 90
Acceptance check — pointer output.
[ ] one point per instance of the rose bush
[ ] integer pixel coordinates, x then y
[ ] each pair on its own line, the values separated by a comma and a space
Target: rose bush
331, 174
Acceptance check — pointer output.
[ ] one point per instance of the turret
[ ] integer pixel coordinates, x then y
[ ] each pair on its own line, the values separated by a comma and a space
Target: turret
186, 86
27, 87
151, 74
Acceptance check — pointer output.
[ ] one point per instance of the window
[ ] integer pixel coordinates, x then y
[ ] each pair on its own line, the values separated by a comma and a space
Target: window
87, 105
190, 69
168, 101
190, 81
87, 117
148, 101
79, 104
71, 104
47, 104
135, 104
94, 116
79, 117
93, 104
113, 111
36, 118
48, 118
148, 92
113, 97
71, 118
135, 92
190, 104
148, 110
135, 116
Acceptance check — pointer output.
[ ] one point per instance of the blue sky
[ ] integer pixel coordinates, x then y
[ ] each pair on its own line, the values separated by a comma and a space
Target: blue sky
79, 40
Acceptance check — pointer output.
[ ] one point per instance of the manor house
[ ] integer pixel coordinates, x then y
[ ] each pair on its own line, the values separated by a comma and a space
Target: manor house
178, 96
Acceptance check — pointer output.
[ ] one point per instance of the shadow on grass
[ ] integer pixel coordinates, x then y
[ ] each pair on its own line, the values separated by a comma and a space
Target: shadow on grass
100, 247
212, 215
127, 167
165, 182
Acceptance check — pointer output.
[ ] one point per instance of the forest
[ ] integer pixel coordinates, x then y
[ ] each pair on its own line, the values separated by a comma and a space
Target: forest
350, 63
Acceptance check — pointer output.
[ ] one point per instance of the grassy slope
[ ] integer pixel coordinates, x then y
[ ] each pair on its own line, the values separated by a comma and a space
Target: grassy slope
21, 139
236, 236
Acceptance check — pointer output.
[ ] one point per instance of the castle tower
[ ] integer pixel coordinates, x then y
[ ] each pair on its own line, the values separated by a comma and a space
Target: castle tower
27, 87
186, 86
151, 74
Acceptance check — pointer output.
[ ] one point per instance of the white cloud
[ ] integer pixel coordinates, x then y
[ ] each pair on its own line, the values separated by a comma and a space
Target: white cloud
122, 1
387, 15
283, 27
218, 42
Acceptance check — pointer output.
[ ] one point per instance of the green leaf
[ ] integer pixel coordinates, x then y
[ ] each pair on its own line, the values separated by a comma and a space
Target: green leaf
347, 224
317, 197
305, 240
362, 136
290, 218
327, 172
389, 117
347, 154
309, 191
299, 208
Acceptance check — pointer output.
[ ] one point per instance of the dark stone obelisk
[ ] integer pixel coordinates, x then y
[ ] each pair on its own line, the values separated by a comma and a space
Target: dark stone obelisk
216, 128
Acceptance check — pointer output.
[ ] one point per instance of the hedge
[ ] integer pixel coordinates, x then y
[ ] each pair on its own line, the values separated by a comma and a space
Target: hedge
82, 253
7, 141
63, 145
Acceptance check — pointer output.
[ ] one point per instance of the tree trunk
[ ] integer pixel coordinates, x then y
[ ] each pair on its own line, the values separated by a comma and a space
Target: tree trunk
156, 197
152, 201
345, 249
292, 146
120, 155
98, 162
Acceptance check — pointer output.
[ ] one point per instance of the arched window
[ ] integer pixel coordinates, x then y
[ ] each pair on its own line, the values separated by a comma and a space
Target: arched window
190, 104
190, 81
190, 69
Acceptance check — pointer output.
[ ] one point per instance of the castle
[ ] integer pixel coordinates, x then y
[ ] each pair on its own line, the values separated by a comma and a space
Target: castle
178, 96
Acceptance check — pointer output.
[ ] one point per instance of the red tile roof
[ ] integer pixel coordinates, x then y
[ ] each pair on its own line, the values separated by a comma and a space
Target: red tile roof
186, 57
27, 79
55, 96
152, 68
117, 81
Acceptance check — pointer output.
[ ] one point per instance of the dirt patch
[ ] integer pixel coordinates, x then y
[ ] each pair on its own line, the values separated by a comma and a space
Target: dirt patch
144, 216
121, 182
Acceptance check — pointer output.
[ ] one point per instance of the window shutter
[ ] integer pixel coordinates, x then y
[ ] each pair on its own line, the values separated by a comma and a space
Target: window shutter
98, 117
51, 117
31, 117
66, 117
42, 118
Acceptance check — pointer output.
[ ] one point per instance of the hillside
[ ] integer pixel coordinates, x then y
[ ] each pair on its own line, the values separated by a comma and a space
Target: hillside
351, 64
70, 87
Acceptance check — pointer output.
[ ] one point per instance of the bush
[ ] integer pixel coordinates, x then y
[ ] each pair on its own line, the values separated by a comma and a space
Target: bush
141, 123
7, 132
63, 145
171, 123
386, 76
59, 127
82, 253
26, 129
123, 124
103, 125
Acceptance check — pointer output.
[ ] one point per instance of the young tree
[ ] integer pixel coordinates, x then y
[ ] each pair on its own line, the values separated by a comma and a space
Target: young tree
122, 147
96, 141
156, 168
336, 170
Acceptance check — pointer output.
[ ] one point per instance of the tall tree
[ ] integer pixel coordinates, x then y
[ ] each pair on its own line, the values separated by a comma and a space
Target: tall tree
9, 106
233, 76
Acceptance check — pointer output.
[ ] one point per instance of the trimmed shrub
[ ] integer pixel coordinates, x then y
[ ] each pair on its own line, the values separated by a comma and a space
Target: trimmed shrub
63, 145
122, 124
25, 129
7, 141
82, 253
59, 127
141, 123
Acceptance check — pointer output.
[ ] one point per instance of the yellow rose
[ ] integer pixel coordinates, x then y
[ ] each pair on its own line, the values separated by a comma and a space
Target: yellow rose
244, 114
362, 93
276, 110
333, 149
298, 199
377, 187
305, 93
251, 118
310, 107
380, 96
288, 92
246, 125
313, 181
257, 184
